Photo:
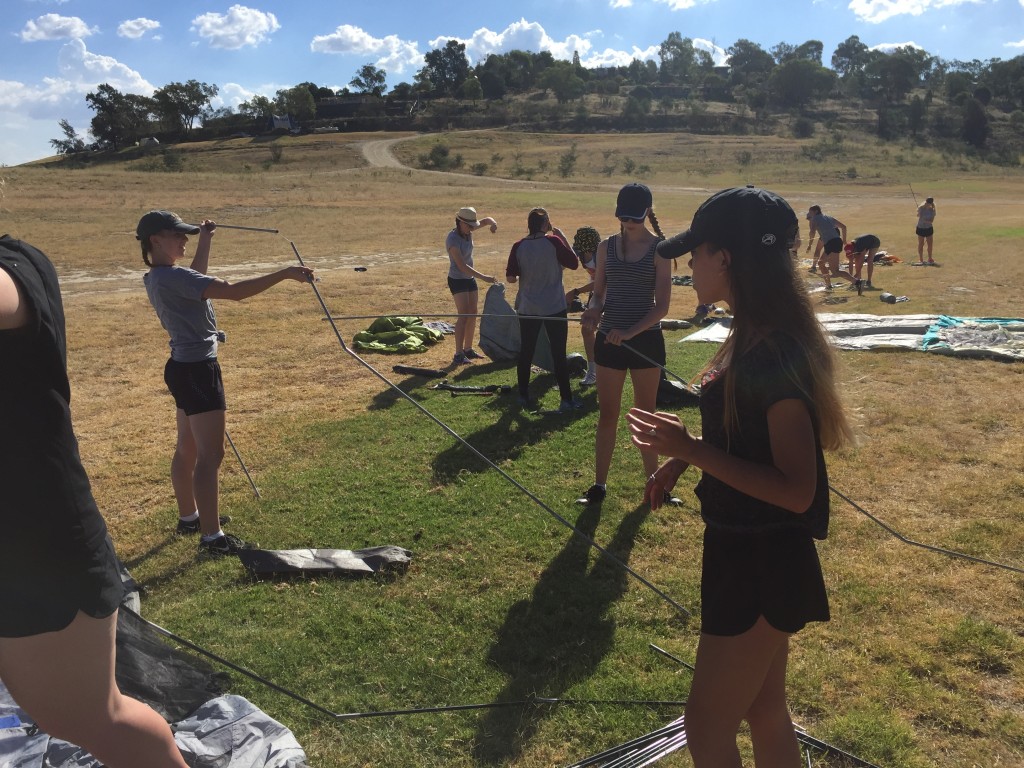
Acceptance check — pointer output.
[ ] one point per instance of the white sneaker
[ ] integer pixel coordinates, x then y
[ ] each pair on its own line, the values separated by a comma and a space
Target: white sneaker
589, 380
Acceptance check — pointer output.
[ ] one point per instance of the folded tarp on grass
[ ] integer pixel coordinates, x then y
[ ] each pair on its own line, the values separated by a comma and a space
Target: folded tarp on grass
989, 337
351, 562
397, 334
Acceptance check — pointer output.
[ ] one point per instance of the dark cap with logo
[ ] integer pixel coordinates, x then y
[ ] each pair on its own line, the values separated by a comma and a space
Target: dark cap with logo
741, 217
160, 221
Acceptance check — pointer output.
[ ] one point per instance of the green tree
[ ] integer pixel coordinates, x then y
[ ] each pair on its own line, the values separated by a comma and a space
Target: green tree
798, 81
296, 101
975, 128
121, 118
71, 142
178, 105
259, 107
891, 76
563, 82
850, 57
471, 89
917, 115
749, 63
445, 69
678, 59
370, 80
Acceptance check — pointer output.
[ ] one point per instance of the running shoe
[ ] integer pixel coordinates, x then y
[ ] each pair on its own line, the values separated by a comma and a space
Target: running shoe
186, 527
595, 495
225, 544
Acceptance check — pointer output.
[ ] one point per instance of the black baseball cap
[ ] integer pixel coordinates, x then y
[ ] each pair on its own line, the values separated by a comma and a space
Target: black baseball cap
738, 217
159, 221
634, 201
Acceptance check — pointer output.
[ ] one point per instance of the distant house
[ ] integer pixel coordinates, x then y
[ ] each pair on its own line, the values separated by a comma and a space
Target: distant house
149, 141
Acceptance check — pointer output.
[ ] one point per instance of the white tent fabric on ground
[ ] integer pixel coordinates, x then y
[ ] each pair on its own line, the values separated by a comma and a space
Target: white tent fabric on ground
991, 337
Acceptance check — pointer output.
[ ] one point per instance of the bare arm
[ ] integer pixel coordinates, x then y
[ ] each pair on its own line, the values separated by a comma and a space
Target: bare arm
842, 228
243, 289
487, 221
201, 259
788, 482
592, 315
13, 308
467, 270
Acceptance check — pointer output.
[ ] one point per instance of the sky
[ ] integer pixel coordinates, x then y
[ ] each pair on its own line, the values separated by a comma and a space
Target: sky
54, 52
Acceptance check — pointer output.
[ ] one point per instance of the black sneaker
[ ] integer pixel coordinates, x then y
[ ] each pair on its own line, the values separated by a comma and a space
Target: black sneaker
672, 501
186, 527
595, 495
227, 544
472, 354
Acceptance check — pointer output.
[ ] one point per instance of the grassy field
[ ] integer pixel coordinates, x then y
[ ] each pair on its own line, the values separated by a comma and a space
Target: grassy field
923, 661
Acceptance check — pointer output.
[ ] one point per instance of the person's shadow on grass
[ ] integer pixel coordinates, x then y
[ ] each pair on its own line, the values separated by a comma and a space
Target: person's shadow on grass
558, 636
503, 440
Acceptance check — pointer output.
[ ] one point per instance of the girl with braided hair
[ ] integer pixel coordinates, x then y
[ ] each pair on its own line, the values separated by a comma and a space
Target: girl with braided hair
632, 289
585, 246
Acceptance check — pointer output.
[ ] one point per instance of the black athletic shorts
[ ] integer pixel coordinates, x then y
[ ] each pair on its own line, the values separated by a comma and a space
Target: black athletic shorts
925, 231
196, 387
866, 243
775, 574
650, 345
835, 245
462, 285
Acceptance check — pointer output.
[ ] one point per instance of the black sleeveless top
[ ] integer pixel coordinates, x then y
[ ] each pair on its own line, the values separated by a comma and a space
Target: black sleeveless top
55, 555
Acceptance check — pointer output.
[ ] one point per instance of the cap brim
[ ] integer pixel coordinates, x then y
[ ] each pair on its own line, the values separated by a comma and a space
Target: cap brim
188, 229
679, 245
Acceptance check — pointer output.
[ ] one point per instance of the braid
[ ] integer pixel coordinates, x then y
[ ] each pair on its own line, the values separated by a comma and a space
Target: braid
145, 254
655, 224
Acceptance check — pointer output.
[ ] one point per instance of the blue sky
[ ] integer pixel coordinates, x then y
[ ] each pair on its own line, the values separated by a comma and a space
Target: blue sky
53, 52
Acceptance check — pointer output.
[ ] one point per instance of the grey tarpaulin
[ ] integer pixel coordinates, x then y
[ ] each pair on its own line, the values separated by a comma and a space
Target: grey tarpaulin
499, 328
226, 732
988, 337
354, 562
499, 331
182, 688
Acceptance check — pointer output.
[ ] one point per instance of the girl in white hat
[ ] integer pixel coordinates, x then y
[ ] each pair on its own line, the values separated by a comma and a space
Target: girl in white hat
462, 280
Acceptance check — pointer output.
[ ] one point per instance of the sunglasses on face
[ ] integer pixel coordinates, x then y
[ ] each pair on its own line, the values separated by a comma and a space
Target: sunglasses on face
634, 219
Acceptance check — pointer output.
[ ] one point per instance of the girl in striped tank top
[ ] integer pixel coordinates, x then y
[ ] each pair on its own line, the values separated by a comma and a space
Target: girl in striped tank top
631, 295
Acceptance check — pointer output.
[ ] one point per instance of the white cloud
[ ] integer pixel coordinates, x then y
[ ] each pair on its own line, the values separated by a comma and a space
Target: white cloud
890, 47
718, 53
620, 3
52, 26
136, 28
521, 35
1018, 44
241, 26
611, 57
877, 11
682, 5
87, 70
393, 54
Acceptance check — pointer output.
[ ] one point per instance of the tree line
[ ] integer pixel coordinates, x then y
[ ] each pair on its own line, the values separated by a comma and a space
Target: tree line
901, 84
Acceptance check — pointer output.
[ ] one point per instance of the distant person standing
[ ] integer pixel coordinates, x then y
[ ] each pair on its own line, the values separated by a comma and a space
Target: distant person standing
536, 263
462, 280
584, 244
832, 236
925, 229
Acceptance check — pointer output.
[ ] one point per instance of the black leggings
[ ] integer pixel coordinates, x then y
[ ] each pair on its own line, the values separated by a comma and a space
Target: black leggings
558, 330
